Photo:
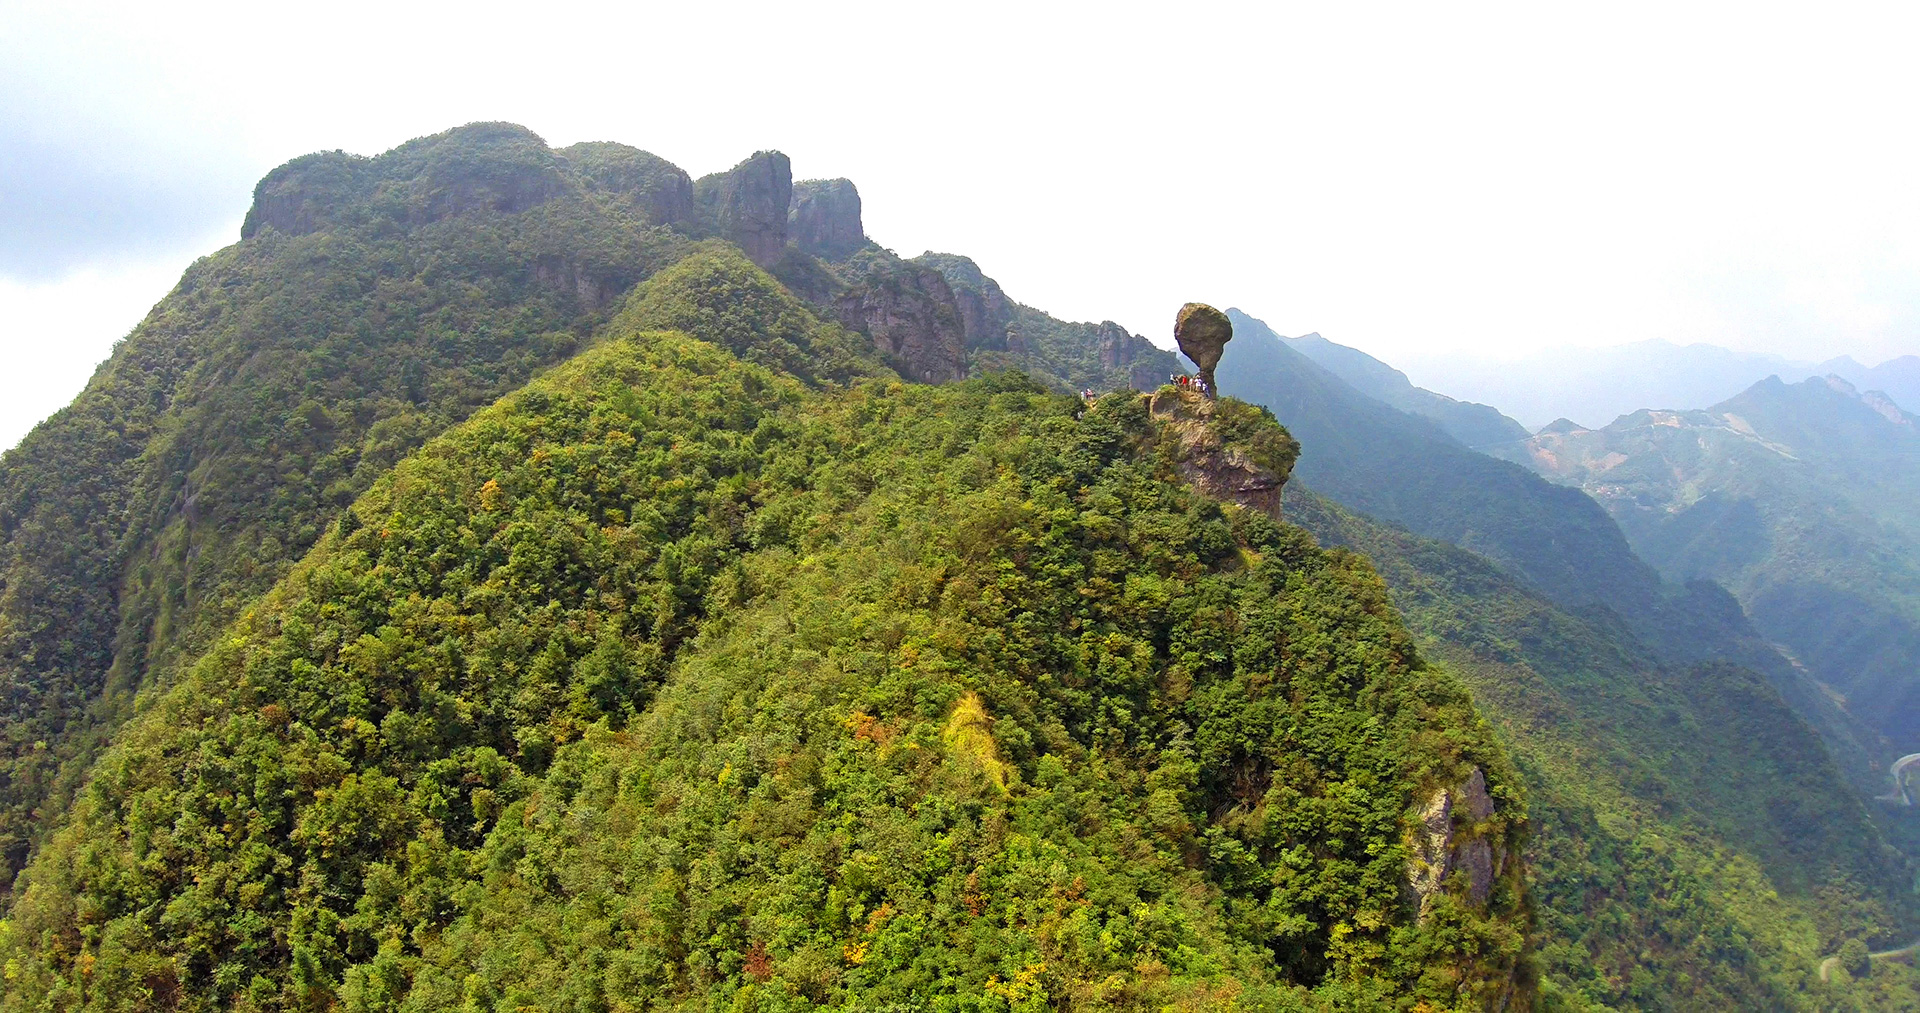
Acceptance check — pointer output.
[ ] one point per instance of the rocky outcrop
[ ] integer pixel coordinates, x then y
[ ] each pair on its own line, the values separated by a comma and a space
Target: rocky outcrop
1252, 474
296, 198
748, 204
825, 218
985, 311
659, 190
1202, 333
566, 276
481, 166
909, 313
1453, 836
1131, 352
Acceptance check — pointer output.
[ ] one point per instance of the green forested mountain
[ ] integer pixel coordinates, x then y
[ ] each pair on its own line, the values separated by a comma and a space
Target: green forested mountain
1405, 470
1672, 786
672, 681
1800, 499
373, 303
517, 579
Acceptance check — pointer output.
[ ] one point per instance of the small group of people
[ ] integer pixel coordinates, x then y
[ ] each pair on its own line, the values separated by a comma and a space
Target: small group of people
1088, 395
1190, 382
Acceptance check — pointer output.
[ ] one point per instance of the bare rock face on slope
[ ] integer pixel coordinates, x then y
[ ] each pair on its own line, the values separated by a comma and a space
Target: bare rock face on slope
825, 218
1122, 349
909, 313
1203, 333
748, 204
1445, 843
1252, 476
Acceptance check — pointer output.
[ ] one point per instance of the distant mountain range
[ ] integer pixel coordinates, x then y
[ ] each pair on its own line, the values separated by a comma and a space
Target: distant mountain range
1609, 686
1472, 424
1594, 386
1803, 499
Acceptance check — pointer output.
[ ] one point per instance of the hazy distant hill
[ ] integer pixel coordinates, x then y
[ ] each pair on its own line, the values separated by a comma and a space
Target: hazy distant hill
1898, 378
1472, 424
1594, 386
1593, 669
1803, 499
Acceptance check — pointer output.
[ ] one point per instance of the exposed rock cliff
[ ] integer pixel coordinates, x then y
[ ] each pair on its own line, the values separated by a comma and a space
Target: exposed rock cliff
1121, 350
1215, 459
985, 310
1452, 837
825, 218
748, 204
909, 313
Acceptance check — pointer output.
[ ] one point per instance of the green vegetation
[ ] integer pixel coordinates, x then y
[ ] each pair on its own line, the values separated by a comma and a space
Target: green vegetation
1693, 847
277, 381
674, 682
713, 667
1800, 500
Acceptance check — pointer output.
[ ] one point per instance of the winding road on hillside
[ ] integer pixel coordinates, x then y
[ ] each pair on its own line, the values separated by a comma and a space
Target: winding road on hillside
1900, 795
1827, 965
1898, 770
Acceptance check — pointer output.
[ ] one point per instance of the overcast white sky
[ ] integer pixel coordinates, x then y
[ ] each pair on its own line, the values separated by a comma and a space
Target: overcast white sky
1413, 180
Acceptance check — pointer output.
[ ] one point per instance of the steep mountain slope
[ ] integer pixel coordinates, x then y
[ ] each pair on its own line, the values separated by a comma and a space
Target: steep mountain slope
1689, 849
373, 302
1898, 378
1404, 470
1797, 497
556, 714
678, 682
1472, 424
1615, 695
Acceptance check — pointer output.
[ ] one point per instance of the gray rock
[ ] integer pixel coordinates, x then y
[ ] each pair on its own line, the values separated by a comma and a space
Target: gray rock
1202, 333
1440, 848
825, 218
748, 204
1206, 463
910, 314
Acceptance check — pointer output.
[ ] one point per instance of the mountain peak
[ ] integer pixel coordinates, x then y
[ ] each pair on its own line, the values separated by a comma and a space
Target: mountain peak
824, 219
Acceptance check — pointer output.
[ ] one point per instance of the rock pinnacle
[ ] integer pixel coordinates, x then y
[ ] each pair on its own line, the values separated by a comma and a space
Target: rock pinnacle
1203, 333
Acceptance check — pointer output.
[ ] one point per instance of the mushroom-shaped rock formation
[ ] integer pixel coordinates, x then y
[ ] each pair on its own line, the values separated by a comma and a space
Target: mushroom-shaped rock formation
1203, 333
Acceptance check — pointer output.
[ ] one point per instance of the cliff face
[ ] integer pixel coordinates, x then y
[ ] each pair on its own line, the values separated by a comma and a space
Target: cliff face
1250, 474
909, 313
748, 204
985, 310
825, 218
1451, 837
1120, 349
